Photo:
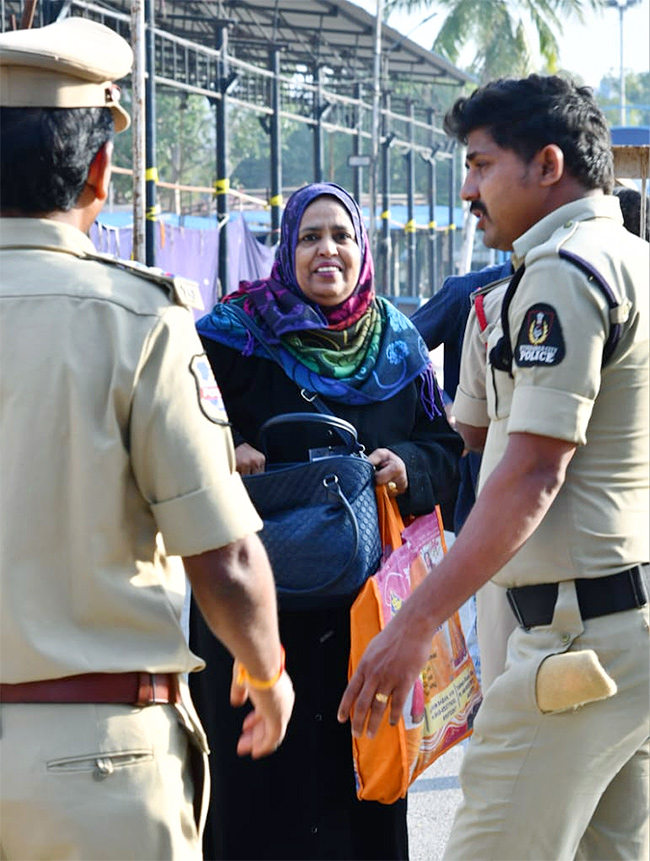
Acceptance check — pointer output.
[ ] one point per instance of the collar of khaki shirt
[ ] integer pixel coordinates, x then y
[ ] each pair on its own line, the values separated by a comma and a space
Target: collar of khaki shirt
44, 233
600, 206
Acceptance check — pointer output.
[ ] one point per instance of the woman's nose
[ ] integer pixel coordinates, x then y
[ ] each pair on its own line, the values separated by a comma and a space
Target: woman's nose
327, 245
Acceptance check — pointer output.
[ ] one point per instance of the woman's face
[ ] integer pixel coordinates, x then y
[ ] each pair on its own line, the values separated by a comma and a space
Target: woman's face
328, 259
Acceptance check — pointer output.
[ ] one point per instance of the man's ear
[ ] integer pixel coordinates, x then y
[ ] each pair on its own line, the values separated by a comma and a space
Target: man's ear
99, 175
550, 160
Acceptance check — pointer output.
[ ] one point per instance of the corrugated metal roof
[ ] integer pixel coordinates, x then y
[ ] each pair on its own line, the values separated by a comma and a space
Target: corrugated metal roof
335, 34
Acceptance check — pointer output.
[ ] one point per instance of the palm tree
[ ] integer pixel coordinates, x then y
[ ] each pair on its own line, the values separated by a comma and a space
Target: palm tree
502, 32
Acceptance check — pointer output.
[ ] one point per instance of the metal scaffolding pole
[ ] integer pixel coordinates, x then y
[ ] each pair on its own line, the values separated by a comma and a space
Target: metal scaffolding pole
222, 183
386, 242
358, 143
452, 201
431, 196
138, 137
151, 170
276, 146
376, 100
410, 227
319, 109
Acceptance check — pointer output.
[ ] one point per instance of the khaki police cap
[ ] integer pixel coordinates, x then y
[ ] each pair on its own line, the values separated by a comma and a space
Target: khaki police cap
69, 64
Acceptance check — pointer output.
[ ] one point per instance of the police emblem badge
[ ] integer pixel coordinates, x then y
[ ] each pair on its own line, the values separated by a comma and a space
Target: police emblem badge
210, 399
540, 340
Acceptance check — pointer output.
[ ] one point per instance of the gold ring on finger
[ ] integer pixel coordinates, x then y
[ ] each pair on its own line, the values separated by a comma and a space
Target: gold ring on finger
381, 698
392, 487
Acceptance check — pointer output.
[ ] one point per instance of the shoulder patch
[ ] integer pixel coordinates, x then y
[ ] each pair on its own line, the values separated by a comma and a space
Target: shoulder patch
210, 399
182, 290
540, 340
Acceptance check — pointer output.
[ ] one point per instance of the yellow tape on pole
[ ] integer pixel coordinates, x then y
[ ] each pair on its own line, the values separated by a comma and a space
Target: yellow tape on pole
151, 174
432, 225
276, 200
222, 186
385, 214
410, 227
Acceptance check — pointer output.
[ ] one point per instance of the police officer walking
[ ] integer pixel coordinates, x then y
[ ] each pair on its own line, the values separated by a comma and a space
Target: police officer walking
116, 459
557, 767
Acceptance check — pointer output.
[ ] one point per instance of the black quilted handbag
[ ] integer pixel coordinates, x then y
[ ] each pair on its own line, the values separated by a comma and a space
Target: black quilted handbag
321, 530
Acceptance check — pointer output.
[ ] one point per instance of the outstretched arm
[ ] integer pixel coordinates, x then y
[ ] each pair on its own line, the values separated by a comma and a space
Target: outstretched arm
233, 587
518, 493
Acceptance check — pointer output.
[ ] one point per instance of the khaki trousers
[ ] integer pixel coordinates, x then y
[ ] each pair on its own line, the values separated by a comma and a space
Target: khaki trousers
563, 785
495, 621
98, 782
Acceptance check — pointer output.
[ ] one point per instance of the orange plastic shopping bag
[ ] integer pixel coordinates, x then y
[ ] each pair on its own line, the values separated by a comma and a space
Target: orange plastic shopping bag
440, 708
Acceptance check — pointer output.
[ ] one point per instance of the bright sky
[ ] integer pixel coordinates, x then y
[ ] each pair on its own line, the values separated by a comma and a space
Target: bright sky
591, 50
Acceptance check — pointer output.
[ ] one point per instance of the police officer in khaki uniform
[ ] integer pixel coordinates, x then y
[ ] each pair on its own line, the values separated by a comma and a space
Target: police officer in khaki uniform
116, 457
557, 765
495, 620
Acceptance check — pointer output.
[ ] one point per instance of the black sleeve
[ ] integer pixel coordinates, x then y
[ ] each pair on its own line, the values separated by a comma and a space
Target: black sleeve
431, 455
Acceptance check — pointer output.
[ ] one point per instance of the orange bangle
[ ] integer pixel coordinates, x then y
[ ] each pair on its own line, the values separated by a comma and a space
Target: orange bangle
244, 678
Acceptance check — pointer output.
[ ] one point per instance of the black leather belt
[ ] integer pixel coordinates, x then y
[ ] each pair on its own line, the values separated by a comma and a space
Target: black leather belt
597, 596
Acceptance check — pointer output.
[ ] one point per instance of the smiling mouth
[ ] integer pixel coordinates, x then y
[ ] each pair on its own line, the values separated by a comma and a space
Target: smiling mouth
327, 270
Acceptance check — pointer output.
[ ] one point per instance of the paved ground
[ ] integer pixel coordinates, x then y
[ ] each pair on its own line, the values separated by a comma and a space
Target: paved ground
432, 803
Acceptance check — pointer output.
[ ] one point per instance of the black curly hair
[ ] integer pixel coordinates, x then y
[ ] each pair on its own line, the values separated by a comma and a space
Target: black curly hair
527, 114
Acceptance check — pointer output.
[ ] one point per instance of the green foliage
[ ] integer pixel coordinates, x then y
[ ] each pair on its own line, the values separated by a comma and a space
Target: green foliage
503, 34
637, 98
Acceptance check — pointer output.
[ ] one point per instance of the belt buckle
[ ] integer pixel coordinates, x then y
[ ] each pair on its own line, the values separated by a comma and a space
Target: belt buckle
515, 609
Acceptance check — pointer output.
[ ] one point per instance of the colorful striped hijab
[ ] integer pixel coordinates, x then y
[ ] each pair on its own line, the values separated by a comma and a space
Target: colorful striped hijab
359, 352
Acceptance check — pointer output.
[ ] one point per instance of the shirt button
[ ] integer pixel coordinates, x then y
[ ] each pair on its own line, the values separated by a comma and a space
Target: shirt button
568, 224
319, 717
103, 769
565, 638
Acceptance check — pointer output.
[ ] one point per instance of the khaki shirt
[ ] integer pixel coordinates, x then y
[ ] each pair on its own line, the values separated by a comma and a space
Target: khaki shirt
111, 450
598, 523
470, 402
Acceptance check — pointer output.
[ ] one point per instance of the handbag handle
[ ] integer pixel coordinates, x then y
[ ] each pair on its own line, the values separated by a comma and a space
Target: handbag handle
333, 488
346, 432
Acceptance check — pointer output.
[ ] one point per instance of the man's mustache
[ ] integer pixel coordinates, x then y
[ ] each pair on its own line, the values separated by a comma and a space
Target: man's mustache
477, 208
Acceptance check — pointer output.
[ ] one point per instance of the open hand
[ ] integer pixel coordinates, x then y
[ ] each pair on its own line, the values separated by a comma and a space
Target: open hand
265, 726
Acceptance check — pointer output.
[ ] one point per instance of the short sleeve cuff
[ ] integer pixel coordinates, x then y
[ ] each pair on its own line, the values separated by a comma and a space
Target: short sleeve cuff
550, 412
207, 519
469, 410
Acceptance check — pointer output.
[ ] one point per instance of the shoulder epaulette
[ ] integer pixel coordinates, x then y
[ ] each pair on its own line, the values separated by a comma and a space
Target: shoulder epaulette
501, 354
618, 311
183, 290
488, 288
